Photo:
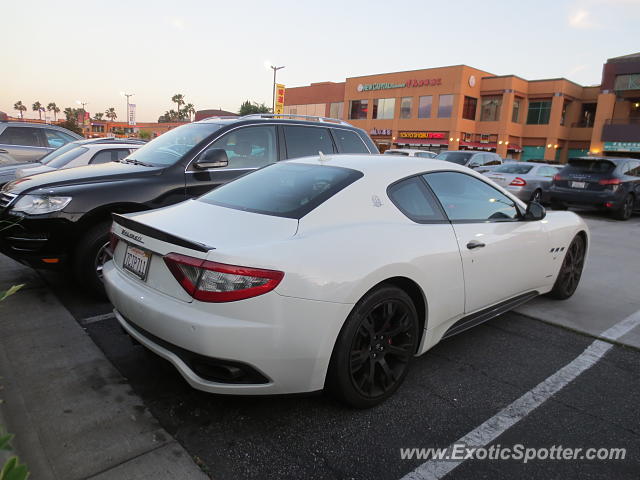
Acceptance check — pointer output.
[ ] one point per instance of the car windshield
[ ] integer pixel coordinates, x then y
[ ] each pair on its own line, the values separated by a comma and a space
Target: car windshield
57, 152
289, 190
513, 168
170, 147
62, 160
461, 158
590, 166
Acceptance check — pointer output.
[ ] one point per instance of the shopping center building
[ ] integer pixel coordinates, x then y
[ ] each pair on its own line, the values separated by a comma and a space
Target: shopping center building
460, 107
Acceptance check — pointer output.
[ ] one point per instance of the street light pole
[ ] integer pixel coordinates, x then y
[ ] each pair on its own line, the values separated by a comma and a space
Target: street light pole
127, 95
273, 98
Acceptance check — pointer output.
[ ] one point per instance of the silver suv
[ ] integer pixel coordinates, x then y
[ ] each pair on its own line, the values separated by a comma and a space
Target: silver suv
28, 142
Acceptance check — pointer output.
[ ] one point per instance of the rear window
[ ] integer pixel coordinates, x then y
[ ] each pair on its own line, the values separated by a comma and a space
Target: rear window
590, 166
513, 168
461, 158
396, 152
288, 190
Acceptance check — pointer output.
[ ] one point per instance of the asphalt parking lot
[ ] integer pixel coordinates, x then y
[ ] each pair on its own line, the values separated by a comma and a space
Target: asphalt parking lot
451, 390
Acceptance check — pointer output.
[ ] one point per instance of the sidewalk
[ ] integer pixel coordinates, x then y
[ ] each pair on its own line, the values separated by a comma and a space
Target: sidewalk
73, 415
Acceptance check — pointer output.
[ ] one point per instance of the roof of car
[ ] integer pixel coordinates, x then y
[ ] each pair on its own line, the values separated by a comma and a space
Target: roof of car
615, 160
301, 119
110, 140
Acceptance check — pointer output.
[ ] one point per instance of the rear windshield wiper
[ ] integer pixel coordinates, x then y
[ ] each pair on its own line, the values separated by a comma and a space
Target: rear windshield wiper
133, 161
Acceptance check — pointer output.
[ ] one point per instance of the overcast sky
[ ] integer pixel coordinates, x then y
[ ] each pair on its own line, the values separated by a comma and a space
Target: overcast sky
214, 51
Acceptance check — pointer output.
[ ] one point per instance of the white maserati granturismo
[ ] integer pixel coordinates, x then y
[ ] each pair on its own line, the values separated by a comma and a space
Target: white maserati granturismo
332, 272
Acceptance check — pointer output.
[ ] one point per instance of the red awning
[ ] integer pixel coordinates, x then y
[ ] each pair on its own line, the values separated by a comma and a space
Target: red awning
426, 142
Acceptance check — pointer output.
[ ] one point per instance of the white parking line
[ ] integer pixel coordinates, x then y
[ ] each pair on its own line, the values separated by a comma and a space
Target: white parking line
512, 414
97, 318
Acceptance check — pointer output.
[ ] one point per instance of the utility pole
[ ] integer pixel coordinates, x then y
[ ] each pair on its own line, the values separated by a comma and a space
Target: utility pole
273, 102
128, 95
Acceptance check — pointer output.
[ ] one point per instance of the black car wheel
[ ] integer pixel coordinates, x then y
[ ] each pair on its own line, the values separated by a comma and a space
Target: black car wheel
626, 209
537, 196
89, 258
375, 348
571, 270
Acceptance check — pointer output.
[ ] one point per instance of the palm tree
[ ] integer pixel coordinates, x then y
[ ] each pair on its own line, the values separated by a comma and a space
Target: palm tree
69, 113
189, 109
19, 106
111, 114
52, 107
37, 107
178, 98
98, 116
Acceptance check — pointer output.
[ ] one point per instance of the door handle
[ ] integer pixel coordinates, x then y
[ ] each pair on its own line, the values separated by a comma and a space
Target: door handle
475, 244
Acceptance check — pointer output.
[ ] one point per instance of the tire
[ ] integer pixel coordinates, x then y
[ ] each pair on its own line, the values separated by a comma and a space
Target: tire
375, 348
536, 196
89, 256
570, 271
555, 205
625, 211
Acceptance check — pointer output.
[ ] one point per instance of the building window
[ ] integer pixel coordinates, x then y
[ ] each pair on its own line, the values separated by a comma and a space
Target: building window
336, 110
445, 105
424, 106
490, 111
469, 109
405, 107
383, 108
515, 113
539, 112
563, 117
358, 109
627, 82
587, 116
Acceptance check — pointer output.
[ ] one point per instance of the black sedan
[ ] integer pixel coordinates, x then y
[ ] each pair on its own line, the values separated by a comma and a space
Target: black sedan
606, 183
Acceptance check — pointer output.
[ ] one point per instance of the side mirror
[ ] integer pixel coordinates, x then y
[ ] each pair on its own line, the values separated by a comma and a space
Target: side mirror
534, 211
212, 158
474, 165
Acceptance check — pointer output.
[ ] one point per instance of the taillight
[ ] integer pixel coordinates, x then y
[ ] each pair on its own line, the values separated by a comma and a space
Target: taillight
113, 242
557, 177
218, 282
609, 181
518, 182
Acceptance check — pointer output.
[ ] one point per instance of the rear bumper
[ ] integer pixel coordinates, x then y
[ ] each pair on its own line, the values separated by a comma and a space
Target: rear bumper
605, 200
287, 341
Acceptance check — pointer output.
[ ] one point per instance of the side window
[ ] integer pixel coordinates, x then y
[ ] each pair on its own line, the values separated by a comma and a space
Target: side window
415, 200
491, 159
635, 169
103, 156
56, 139
424, 155
249, 147
123, 153
476, 161
26, 136
547, 171
307, 141
348, 141
466, 198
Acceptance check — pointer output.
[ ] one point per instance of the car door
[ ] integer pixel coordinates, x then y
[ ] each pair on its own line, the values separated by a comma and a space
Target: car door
502, 255
23, 144
248, 148
632, 173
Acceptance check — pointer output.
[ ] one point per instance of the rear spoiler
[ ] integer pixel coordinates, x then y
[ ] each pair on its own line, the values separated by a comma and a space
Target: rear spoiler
159, 234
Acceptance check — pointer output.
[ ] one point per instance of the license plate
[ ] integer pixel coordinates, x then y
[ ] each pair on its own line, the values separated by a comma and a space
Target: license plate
578, 184
136, 261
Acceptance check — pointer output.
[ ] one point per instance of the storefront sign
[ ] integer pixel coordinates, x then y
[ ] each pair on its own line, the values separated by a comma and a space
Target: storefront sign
279, 106
132, 114
421, 135
380, 131
622, 146
428, 82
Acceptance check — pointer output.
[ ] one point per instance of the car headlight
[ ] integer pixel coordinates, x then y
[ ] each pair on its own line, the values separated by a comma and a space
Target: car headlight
40, 204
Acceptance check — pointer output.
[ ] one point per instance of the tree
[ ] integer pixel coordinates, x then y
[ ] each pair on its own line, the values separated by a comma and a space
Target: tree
111, 114
247, 108
178, 99
37, 107
71, 123
20, 107
188, 110
52, 107
98, 116
169, 116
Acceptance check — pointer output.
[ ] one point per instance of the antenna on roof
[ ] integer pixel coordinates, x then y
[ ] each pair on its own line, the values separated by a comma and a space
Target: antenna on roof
322, 157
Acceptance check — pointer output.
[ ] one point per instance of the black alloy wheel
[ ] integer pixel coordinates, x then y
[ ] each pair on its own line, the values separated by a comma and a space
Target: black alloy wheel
571, 270
625, 211
374, 350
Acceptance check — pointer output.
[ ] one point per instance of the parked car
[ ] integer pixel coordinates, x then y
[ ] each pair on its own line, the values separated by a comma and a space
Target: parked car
94, 153
410, 152
8, 170
479, 161
310, 302
64, 215
527, 181
606, 183
29, 142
